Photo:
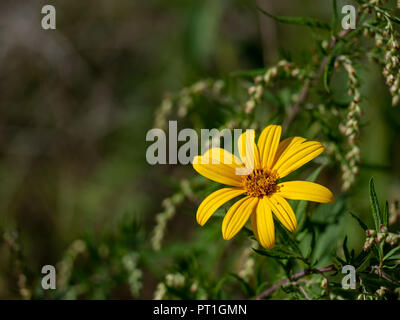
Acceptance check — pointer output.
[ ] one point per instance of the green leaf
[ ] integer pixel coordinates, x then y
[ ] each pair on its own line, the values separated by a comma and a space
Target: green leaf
395, 257
362, 224
364, 264
328, 71
216, 290
376, 211
309, 253
326, 242
202, 26
386, 214
335, 18
249, 73
392, 267
309, 22
301, 206
273, 254
391, 253
286, 237
346, 250
300, 211
245, 286
372, 280
278, 254
261, 287
341, 261
220, 213
394, 19
313, 176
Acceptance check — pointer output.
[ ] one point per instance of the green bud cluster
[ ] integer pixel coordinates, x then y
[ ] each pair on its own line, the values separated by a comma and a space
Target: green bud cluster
247, 263
387, 43
350, 127
130, 261
184, 100
283, 69
383, 235
169, 205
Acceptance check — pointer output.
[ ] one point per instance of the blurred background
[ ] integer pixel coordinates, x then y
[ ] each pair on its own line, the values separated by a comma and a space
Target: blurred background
76, 104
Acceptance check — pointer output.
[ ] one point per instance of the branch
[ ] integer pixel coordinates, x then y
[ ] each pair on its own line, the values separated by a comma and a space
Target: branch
304, 293
294, 277
378, 271
307, 272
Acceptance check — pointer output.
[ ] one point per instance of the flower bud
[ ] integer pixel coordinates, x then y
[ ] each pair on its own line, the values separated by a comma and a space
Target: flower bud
251, 90
395, 100
381, 291
274, 72
370, 232
324, 283
380, 237
257, 79
383, 228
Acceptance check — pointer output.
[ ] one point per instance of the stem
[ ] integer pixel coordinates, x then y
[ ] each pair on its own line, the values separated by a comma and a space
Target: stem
294, 277
304, 293
378, 271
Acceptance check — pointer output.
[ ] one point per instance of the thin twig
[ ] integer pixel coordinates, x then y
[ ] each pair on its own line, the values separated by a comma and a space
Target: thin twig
294, 277
304, 293
378, 271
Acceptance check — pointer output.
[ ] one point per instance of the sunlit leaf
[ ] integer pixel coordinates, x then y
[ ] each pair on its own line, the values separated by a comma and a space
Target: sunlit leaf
376, 211
309, 22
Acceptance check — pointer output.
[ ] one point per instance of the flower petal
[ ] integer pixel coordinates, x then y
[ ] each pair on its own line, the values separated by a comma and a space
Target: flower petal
295, 155
283, 211
214, 201
237, 216
286, 145
248, 151
253, 219
219, 165
262, 224
268, 145
304, 190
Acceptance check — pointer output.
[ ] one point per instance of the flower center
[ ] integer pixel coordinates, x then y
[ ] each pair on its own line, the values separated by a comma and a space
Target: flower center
260, 183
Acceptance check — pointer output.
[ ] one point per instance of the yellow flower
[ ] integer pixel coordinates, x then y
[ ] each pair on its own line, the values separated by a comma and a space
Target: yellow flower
256, 176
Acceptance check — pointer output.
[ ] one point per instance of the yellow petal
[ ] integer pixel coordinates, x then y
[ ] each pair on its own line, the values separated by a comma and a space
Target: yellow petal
268, 145
248, 150
219, 155
219, 165
297, 155
214, 201
253, 219
286, 145
283, 211
304, 190
263, 222
237, 216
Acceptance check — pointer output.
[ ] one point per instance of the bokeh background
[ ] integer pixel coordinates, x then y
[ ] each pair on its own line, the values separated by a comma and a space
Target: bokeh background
76, 104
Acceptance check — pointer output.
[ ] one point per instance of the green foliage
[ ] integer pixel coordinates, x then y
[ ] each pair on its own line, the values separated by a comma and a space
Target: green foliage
312, 23
376, 211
